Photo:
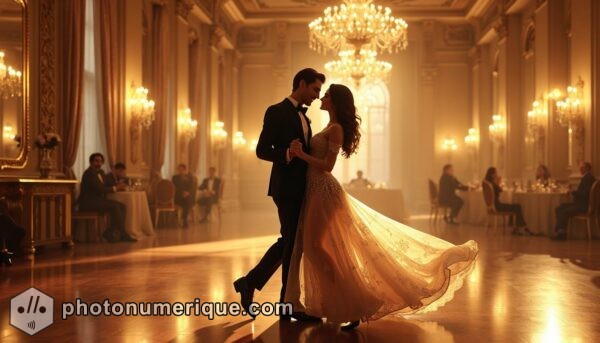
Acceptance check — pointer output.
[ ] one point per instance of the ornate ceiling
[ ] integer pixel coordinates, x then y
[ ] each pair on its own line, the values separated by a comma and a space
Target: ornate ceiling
305, 10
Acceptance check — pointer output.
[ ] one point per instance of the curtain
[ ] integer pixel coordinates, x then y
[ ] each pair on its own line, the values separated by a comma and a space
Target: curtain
160, 54
72, 30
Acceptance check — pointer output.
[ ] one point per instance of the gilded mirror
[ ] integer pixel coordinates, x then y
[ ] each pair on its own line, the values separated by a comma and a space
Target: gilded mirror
14, 119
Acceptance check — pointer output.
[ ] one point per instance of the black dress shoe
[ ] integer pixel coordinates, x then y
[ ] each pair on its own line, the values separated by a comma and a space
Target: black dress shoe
6, 257
350, 326
303, 317
246, 293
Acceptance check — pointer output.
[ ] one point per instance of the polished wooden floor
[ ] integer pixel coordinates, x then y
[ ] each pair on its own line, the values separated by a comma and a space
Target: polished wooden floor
524, 289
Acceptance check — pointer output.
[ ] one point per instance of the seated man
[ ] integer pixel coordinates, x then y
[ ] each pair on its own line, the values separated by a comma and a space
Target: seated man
11, 235
210, 192
359, 181
447, 196
581, 198
184, 191
92, 197
118, 175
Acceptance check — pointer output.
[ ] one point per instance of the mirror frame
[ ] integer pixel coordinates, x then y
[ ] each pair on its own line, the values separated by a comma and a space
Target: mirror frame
20, 161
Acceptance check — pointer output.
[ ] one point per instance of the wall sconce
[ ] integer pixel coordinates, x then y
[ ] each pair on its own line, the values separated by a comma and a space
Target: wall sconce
472, 138
238, 140
497, 129
219, 135
187, 125
142, 116
10, 80
570, 109
536, 119
141, 109
449, 146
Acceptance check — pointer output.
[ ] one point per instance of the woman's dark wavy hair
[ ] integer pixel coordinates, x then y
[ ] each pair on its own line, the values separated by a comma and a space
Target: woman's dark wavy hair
345, 115
489, 174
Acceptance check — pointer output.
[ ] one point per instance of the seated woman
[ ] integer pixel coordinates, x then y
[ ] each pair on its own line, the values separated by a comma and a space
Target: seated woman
542, 175
491, 175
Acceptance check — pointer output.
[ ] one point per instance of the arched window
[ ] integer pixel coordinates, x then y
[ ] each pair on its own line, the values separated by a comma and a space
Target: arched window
372, 157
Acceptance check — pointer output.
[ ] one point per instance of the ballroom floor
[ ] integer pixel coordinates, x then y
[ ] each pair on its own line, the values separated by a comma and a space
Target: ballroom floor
524, 289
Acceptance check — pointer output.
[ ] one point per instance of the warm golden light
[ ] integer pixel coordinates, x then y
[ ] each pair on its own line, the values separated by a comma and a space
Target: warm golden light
238, 139
472, 138
140, 107
10, 80
497, 128
358, 23
570, 109
187, 125
449, 145
219, 135
358, 66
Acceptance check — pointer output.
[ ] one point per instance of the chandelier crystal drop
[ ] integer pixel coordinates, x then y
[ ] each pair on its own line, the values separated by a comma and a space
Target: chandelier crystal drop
10, 80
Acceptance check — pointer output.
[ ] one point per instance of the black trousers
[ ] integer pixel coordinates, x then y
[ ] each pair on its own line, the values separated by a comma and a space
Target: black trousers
206, 203
455, 203
514, 208
566, 211
186, 205
11, 234
116, 212
280, 253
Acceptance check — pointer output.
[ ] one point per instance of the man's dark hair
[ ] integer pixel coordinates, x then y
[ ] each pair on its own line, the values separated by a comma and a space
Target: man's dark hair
587, 166
94, 155
181, 165
447, 167
120, 165
309, 75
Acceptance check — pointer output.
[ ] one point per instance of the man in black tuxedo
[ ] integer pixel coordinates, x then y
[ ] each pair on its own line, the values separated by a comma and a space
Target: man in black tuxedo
581, 199
210, 192
92, 197
283, 123
184, 191
447, 197
117, 175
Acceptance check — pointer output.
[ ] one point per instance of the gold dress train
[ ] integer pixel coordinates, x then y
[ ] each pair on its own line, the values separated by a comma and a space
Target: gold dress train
351, 262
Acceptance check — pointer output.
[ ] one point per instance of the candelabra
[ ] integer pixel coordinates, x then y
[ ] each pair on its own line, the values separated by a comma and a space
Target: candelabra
10, 80
141, 110
570, 112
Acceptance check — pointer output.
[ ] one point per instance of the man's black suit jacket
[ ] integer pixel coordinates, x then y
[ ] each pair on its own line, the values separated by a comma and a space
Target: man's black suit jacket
281, 126
581, 196
93, 190
216, 187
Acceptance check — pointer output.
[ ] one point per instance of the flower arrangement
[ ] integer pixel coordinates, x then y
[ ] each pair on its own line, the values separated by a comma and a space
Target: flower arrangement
48, 140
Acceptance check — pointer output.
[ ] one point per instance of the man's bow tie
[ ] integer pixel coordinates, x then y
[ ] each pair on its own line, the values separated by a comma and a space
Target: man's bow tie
301, 108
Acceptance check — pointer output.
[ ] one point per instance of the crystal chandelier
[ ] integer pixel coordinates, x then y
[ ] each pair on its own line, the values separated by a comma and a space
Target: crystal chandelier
187, 125
472, 138
358, 23
536, 118
10, 80
358, 66
497, 129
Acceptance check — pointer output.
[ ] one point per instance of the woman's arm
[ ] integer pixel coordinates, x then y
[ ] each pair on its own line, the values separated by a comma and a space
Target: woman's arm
336, 137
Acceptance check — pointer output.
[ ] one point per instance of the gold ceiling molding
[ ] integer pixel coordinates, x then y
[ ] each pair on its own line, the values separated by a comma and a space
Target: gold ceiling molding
184, 7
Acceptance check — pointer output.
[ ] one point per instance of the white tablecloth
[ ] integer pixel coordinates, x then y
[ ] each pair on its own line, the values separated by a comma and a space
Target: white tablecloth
389, 202
538, 210
474, 210
138, 221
